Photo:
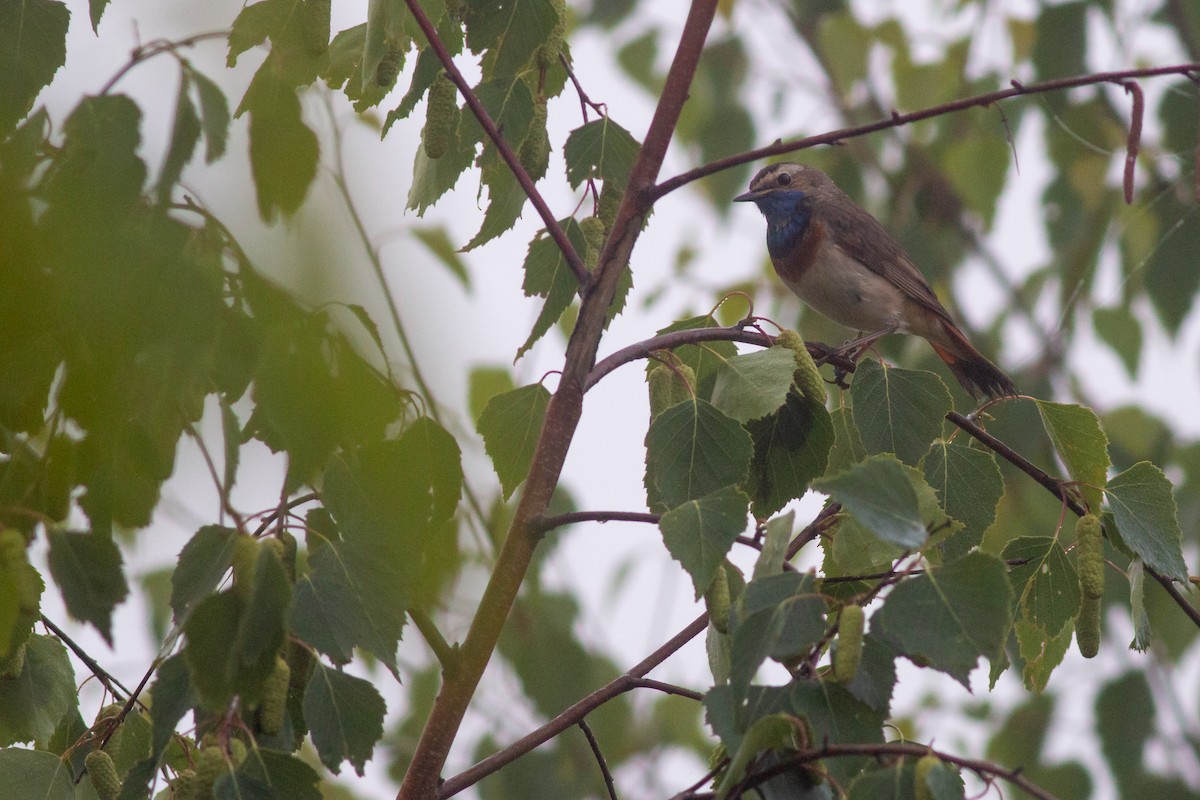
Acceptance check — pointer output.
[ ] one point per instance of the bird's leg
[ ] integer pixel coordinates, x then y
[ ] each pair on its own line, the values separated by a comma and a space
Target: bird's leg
854, 348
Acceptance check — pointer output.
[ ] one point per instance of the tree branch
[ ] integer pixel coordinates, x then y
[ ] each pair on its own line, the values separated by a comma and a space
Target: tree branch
564, 410
550, 523
633, 679
910, 749
668, 341
1060, 490
506, 152
595, 745
114, 686
898, 120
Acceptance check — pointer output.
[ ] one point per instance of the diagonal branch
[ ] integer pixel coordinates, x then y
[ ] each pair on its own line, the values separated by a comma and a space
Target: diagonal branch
897, 120
562, 414
506, 152
909, 749
633, 679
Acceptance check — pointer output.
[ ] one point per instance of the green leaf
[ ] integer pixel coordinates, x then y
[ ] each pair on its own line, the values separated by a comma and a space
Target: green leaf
438, 242
969, 484
1046, 585
385, 27
185, 133
1041, 652
1137, 606
20, 592
699, 533
214, 115
1061, 42
876, 677
283, 150
433, 177
600, 149
847, 446
1125, 712
32, 703
251, 27
780, 617
202, 564
752, 385
33, 45
231, 432
776, 536
964, 609
898, 410
506, 199
976, 165
484, 383
844, 45
1143, 505
548, 275
39, 774
509, 103
791, 448
172, 697
511, 30
96, 11
345, 715
704, 358
87, 568
693, 449
879, 492
510, 425
232, 643
269, 775
1121, 331
1080, 442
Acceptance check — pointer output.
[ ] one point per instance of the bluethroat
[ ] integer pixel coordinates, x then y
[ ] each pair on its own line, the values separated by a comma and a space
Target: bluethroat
842, 262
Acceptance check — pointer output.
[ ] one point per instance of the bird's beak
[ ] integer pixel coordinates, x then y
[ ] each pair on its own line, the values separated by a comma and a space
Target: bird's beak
747, 197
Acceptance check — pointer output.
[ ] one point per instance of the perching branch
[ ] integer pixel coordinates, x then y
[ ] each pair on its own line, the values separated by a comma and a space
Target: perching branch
114, 686
633, 679
604, 771
550, 523
566, 405
987, 769
506, 152
897, 120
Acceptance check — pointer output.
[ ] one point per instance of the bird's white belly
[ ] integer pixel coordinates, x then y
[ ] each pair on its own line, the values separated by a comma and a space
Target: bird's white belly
844, 290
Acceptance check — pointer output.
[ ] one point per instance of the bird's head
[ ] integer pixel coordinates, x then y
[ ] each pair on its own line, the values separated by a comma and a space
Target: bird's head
777, 188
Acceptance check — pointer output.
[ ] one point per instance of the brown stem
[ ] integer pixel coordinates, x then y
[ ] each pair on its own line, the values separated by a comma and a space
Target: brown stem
114, 686
898, 120
633, 679
550, 523
1060, 490
910, 749
595, 745
562, 415
506, 152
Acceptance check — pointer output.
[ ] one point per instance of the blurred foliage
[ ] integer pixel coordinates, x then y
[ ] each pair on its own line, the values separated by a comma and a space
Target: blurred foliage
128, 311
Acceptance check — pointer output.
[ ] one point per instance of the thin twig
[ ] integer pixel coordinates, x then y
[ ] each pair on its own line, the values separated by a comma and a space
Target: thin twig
899, 120
633, 679
155, 48
563, 412
909, 749
506, 152
560, 520
104, 676
595, 745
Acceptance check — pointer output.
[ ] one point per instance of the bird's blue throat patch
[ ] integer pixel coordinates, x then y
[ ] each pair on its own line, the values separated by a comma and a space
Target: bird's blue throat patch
788, 214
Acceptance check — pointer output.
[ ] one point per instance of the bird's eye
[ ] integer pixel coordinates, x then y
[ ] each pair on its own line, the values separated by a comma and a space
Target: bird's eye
785, 179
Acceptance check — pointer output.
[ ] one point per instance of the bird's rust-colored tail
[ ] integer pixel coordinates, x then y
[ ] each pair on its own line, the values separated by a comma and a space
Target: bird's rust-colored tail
976, 374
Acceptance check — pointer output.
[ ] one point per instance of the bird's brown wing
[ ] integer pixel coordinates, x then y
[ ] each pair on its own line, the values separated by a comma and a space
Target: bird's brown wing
863, 238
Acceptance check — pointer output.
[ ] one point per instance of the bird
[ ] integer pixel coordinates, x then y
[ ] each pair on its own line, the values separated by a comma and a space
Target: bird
843, 263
